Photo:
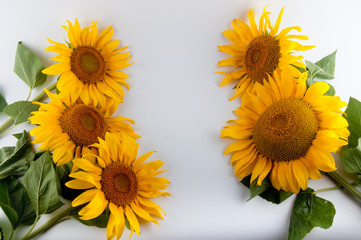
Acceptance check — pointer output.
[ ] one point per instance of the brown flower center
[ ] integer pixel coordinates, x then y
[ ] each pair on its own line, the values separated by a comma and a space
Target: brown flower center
285, 130
119, 184
84, 124
262, 56
87, 64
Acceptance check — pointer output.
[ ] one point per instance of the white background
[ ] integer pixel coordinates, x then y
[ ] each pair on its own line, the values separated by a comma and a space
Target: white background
179, 108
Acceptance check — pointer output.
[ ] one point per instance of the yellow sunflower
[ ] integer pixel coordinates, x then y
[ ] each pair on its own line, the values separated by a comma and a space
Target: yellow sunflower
89, 65
257, 52
119, 180
69, 127
287, 131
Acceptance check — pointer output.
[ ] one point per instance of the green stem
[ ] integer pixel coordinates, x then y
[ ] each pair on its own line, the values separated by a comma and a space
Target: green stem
335, 188
345, 184
32, 227
12, 234
42, 94
29, 94
9, 123
46, 226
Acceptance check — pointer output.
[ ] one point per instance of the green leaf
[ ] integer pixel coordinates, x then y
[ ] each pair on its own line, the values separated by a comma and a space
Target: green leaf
28, 67
331, 91
101, 221
63, 171
40, 182
15, 160
302, 70
309, 80
3, 103
127, 223
1, 234
323, 69
257, 190
15, 202
328, 64
351, 159
20, 111
309, 211
353, 117
270, 193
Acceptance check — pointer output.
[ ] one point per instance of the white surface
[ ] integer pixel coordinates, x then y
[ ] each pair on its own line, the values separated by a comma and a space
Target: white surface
179, 108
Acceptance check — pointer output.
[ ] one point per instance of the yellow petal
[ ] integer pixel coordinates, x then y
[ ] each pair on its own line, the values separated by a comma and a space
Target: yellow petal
79, 184
133, 221
300, 173
88, 177
239, 145
85, 197
96, 206
322, 160
56, 69
260, 166
118, 214
87, 166
141, 213
316, 90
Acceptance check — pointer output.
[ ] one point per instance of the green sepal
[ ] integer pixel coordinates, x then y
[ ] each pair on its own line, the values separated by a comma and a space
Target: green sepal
266, 190
309, 211
127, 223
302, 70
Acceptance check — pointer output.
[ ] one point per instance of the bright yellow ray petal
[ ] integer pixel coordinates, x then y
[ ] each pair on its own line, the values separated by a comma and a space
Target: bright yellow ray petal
133, 221
96, 206
84, 197
79, 184
301, 173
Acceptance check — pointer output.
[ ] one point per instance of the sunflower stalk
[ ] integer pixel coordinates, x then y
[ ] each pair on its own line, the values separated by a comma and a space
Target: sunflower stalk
335, 188
344, 184
9, 124
55, 220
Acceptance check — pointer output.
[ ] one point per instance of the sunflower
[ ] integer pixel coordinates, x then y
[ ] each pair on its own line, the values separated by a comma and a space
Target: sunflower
119, 180
89, 64
69, 127
257, 52
288, 131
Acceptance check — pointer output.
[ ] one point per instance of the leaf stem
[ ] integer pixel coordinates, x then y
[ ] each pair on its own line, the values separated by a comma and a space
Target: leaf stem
32, 227
9, 123
6, 125
345, 184
12, 233
46, 226
42, 94
29, 94
335, 188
